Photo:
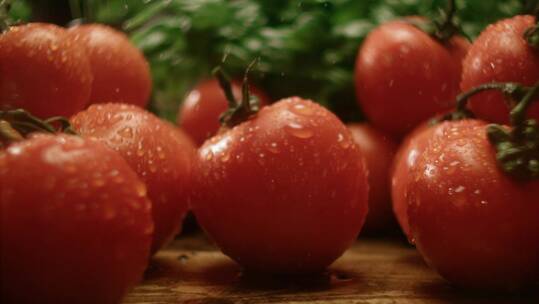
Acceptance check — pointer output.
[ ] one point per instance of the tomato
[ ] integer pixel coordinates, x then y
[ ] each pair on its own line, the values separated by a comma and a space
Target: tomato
478, 227
403, 76
199, 113
404, 161
75, 222
43, 71
283, 192
157, 151
121, 73
500, 54
378, 150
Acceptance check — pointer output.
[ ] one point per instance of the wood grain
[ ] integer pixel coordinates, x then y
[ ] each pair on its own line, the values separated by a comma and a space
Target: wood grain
373, 271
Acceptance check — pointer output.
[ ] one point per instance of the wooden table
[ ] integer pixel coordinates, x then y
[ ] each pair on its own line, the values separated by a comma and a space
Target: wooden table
373, 271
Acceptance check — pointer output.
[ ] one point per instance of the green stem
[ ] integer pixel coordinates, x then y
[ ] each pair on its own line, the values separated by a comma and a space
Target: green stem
508, 88
65, 124
237, 111
446, 26
461, 109
226, 86
4, 15
518, 113
8, 134
17, 124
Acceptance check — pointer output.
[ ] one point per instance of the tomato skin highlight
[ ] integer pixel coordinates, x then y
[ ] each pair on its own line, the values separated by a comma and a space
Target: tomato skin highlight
200, 111
121, 73
81, 233
403, 76
43, 70
378, 150
284, 192
472, 223
404, 161
161, 155
500, 54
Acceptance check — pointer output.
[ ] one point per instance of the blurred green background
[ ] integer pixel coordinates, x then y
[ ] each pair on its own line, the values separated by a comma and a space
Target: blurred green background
304, 47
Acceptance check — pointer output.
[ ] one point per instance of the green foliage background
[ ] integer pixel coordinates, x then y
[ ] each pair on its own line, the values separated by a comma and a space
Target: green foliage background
304, 47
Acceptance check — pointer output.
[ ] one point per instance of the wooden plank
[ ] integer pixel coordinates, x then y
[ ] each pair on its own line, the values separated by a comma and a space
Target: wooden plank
373, 271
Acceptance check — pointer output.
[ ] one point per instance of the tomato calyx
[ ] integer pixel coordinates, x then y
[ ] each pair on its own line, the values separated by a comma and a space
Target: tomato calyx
442, 27
238, 111
16, 125
517, 148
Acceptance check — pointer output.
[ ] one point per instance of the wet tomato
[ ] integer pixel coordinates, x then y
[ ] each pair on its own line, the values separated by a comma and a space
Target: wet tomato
500, 54
157, 151
478, 227
75, 223
121, 73
404, 76
284, 191
43, 70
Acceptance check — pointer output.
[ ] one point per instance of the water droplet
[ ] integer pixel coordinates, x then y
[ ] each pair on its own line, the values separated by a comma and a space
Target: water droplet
225, 157
342, 141
140, 189
126, 132
302, 109
15, 150
298, 130
209, 155
459, 189
484, 202
273, 148
98, 183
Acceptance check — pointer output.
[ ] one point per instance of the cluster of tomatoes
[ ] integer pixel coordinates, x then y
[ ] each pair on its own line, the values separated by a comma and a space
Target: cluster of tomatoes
472, 221
81, 214
284, 188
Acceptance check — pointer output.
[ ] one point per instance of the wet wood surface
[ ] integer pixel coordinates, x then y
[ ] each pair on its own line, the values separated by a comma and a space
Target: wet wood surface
373, 271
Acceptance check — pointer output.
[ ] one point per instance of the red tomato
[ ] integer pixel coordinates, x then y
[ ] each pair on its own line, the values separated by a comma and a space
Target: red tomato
43, 71
284, 192
500, 54
121, 73
476, 226
405, 160
404, 76
378, 150
75, 222
199, 113
157, 151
